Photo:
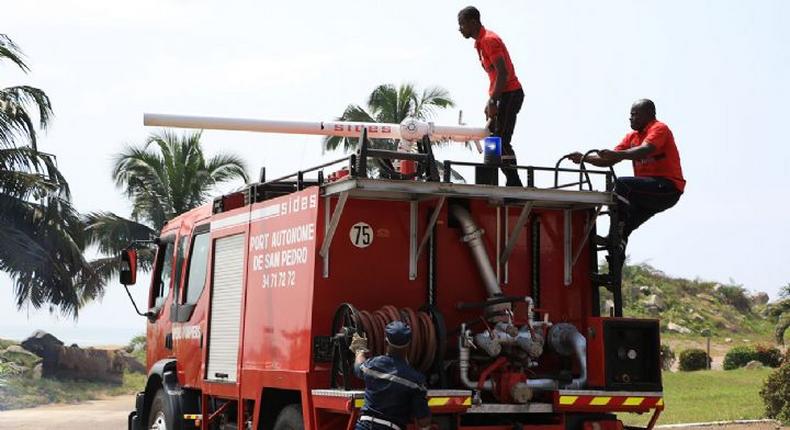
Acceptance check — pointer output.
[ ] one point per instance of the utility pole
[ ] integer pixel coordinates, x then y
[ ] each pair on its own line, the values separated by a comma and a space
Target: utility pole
706, 333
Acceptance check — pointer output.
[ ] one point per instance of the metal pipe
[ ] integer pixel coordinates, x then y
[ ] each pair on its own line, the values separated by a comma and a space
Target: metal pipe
580, 348
566, 340
472, 236
542, 384
463, 362
530, 310
410, 129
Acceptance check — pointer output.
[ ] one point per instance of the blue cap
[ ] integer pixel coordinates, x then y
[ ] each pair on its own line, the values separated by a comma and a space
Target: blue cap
398, 333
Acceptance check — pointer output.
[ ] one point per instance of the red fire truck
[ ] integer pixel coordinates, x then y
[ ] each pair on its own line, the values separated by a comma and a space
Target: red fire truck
254, 299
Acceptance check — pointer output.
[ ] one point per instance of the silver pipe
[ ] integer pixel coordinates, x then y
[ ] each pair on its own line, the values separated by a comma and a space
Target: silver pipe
472, 236
580, 348
463, 363
566, 340
542, 384
530, 310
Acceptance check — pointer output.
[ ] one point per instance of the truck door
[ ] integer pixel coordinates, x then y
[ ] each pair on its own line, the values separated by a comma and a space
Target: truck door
189, 311
158, 327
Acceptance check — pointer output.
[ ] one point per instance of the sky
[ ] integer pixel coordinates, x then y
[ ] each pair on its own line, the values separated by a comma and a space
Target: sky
717, 71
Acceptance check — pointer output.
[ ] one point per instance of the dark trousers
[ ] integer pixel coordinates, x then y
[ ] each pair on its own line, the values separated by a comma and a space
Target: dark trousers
503, 125
641, 198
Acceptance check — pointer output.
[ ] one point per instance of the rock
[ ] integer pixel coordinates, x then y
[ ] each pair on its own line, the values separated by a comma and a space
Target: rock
73, 362
754, 364
716, 288
89, 364
20, 356
45, 346
759, 298
654, 300
12, 369
130, 363
36, 372
652, 310
727, 340
644, 289
677, 328
40, 341
697, 317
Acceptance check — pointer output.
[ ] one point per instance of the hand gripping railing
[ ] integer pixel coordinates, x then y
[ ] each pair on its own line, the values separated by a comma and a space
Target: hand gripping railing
584, 174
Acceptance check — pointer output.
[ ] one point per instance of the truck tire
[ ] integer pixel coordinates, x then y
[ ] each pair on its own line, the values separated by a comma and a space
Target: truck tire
160, 417
290, 418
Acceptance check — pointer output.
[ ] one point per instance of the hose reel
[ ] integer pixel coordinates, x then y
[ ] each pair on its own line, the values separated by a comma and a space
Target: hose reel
421, 353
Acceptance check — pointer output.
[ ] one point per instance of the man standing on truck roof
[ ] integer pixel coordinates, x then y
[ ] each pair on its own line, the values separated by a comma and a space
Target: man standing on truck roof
658, 181
394, 391
505, 95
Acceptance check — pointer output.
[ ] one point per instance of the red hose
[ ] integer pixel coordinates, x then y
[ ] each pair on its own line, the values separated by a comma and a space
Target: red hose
422, 350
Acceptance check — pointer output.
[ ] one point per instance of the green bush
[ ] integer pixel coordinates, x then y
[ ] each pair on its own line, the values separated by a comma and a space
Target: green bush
739, 356
694, 359
667, 357
776, 394
735, 295
769, 355
136, 347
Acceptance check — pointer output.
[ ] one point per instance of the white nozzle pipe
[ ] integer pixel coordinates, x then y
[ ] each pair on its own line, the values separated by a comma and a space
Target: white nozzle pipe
410, 129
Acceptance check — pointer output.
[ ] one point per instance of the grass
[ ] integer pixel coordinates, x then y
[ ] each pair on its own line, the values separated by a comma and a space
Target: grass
5, 343
709, 395
20, 392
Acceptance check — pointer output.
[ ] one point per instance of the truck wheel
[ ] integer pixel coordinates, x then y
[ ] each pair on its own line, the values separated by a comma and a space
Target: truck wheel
290, 418
160, 416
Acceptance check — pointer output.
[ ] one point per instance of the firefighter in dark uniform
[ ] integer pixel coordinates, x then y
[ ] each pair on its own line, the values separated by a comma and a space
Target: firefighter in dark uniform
394, 392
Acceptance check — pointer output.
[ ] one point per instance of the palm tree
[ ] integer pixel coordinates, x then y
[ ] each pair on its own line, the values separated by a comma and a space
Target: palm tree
390, 104
42, 234
166, 176
16, 102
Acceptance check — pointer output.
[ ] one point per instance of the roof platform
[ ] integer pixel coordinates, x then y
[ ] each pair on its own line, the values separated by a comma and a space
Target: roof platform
387, 189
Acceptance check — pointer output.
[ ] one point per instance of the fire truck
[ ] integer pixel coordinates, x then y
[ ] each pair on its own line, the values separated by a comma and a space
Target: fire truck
254, 297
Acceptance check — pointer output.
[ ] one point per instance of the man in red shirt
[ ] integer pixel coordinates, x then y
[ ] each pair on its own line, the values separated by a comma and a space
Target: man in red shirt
658, 181
504, 91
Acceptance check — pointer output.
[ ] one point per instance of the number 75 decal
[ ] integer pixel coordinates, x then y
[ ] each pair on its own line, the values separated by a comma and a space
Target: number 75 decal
361, 235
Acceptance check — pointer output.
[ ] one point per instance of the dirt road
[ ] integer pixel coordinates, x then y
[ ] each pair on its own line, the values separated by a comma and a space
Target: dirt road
111, 414
106, 414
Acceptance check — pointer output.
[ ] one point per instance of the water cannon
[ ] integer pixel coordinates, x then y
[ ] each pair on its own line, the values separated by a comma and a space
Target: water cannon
410, 130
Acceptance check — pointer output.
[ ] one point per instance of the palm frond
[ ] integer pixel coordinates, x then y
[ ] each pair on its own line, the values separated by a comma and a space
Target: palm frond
9, 50
105, 271
431, 98
15, 118
112, 233
42, 251
354, 113
226, 167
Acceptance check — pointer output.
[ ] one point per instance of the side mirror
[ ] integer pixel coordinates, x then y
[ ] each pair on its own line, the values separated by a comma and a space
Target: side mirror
128, 266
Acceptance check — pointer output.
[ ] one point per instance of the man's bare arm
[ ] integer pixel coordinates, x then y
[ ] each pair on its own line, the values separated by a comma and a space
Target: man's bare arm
499, 85
501, 77
608, 157
636, 153
593, 159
